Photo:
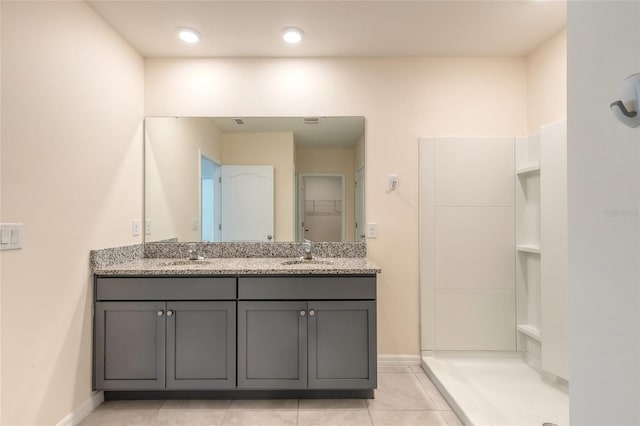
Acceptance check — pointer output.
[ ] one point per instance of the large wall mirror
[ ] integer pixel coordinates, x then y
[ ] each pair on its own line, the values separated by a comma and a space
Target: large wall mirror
254, 179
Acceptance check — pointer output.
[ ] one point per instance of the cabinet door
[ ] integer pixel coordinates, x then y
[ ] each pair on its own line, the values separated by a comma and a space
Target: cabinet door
272, 345
342, 345
130, 345
201, 345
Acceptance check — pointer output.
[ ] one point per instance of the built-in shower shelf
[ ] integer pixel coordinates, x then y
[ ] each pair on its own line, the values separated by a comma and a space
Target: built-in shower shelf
528, 248
530, 331
532, 168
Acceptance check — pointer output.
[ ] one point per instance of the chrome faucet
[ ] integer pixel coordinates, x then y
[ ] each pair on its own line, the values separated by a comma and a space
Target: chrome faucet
192, 249
306, 248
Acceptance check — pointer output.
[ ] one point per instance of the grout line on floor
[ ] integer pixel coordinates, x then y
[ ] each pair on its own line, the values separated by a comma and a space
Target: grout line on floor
369, 410
426, 391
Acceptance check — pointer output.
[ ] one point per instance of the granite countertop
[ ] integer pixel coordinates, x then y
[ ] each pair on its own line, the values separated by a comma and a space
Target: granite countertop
242, 266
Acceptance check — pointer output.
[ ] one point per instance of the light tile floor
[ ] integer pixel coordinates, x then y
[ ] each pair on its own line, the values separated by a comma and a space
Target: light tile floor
405, 396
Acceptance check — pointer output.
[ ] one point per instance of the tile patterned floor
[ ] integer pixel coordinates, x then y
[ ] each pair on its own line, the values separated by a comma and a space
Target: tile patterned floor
405, 396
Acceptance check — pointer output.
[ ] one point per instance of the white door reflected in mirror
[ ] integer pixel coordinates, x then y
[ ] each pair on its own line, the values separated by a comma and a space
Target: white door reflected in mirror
247, 203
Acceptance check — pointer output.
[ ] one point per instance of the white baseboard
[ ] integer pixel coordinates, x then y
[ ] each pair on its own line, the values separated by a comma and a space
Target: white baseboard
75, 417
398, 360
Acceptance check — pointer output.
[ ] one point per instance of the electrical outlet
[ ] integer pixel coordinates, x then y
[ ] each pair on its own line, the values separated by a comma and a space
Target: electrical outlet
147, 227
195, 225
372, 230
135, 228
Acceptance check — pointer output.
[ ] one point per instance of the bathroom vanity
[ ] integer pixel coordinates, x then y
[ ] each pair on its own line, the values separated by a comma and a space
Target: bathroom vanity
236, 327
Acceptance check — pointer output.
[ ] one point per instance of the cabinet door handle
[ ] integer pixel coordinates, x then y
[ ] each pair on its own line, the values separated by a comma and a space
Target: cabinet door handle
169, 313
160, 313
303, 312
311, 312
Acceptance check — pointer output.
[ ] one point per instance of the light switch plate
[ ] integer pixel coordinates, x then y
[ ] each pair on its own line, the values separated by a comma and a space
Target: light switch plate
11, 236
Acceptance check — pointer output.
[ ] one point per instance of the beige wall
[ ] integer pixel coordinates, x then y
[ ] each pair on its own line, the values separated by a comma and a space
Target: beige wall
72, 108
172, 173
333, 160
401, 98
547, 83
268, 149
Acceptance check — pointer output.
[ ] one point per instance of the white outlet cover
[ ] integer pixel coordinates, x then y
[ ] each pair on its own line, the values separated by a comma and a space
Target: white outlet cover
372, 230
135, 227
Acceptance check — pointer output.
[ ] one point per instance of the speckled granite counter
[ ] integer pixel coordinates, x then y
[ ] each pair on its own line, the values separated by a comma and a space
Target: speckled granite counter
241, 266
345, 258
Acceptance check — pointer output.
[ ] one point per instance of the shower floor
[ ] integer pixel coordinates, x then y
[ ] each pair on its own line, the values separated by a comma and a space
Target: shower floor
496, 389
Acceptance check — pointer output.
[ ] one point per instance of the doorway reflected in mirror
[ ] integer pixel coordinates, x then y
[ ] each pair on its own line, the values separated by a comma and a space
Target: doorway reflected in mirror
187, 197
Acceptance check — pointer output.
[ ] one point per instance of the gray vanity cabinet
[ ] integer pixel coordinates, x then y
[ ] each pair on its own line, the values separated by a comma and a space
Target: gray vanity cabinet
307, 344
342, 344
254, 333
145, 342
130, 343
201, 345
272, 345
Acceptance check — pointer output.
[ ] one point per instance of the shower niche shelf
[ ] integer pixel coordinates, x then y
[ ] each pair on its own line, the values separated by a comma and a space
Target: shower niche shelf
541, 247
530, 331
528, 248
528, 283
532, 168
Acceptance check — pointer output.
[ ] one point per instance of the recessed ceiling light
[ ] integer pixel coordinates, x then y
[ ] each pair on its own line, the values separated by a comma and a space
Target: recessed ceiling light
188, 35
292, 35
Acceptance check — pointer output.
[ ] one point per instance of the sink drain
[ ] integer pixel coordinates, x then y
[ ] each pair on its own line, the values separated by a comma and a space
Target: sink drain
549, 424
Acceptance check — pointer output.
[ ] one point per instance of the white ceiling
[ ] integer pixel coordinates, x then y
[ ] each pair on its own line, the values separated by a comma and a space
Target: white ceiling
336, 28
330, 132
